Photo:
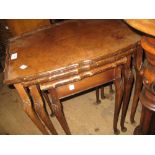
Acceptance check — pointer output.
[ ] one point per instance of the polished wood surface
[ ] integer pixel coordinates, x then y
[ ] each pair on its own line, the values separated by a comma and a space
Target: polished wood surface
148, 43
20, 26
65, 45
85, 84
105, 74
82, 53
147, 96
145, 25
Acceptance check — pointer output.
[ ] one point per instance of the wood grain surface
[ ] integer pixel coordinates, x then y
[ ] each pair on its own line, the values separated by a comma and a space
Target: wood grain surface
66, 45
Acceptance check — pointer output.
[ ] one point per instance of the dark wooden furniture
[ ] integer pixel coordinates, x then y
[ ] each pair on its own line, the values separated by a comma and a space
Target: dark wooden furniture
62, 60
147, 74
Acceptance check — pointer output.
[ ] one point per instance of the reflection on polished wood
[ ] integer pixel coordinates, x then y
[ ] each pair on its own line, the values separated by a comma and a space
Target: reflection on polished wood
145, 25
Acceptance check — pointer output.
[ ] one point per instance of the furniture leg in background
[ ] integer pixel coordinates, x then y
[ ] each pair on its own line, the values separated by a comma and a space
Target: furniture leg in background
111, 91
128, 82
138, 62
98, 101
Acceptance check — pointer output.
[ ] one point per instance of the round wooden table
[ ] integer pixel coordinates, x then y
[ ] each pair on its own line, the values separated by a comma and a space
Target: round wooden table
147, 97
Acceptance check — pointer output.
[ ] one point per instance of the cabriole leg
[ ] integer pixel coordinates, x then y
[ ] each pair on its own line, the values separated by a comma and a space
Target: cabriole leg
57, 107
40, 107
128, 82
29, 110
118, 97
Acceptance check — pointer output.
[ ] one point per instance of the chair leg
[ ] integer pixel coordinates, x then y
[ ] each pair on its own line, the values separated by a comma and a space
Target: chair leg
39, 105
138, 87
118, 97
98, 101
57, 107
27, 105
128, 82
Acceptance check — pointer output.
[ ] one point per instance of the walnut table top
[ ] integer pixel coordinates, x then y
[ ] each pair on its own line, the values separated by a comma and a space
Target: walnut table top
64, 46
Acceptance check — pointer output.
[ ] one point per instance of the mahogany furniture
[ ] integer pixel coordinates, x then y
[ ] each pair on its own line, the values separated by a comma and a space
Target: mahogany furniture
54, 62
18, 27
147, 74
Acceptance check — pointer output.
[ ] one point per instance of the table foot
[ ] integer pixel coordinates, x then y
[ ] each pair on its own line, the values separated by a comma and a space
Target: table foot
124, 129
117, 132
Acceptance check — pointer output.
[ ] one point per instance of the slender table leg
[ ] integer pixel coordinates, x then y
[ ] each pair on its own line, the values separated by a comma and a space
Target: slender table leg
49, 103
57, 107
39, 105
128, 81
28, 108
118, 97
98, 101
111, 91
138, 56
102, 93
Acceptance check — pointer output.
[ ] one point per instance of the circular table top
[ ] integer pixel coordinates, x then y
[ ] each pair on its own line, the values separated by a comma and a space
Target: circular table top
144, 25
147, 42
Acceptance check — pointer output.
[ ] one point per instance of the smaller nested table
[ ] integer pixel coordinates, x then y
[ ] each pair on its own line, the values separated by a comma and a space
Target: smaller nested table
65, 59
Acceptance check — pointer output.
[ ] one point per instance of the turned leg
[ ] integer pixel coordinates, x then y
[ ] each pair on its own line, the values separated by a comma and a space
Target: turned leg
128, 82
118, 97
98, 101
138, 56
57, 107
27, 105
40, 107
